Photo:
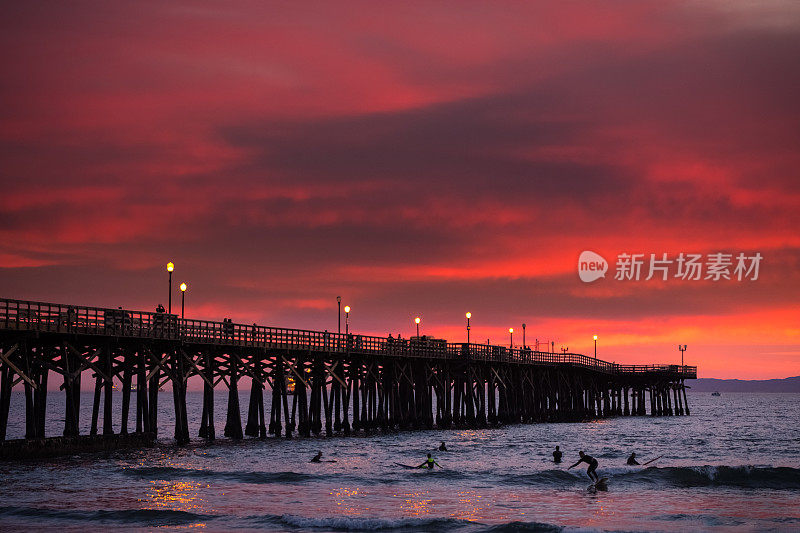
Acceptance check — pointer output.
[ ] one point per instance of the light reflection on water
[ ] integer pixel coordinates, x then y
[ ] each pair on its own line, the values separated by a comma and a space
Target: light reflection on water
416, 503
470, 506
347, 502
175, 495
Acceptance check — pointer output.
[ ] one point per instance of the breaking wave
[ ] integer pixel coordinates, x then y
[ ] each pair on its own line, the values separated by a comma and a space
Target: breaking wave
694, 476
755, 477
727, 476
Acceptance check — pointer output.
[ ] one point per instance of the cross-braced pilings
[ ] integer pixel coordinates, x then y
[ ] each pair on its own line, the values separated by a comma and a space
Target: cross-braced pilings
303, 383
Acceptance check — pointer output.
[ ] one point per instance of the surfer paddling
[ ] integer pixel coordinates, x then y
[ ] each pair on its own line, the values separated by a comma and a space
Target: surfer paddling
442, 447
429, 462
592, 462
318, 459
633, 462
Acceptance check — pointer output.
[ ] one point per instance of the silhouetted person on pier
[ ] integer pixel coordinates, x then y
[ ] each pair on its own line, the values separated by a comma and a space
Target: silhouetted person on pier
557, 455
442, 447
632, 459
160, 309
429, 462
592, 462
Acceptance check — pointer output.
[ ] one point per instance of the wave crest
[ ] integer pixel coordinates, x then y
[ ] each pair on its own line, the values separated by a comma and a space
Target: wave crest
729, 476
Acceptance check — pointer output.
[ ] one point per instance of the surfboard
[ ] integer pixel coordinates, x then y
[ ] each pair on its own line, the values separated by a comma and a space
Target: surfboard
406, 466
601, 484
651, 460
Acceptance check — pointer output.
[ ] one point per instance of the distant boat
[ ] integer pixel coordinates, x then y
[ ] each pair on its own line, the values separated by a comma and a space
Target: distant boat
715, 393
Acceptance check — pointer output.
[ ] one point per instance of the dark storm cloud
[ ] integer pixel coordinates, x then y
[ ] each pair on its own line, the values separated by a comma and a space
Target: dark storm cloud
472, 147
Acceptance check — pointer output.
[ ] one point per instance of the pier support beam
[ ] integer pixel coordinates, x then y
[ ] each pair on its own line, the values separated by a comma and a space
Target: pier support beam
233, 422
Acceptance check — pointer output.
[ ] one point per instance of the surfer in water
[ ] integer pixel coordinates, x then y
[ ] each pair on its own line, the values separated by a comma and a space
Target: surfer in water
318, 459
429, 462
632, 459
592, 462
442, 447
557, 455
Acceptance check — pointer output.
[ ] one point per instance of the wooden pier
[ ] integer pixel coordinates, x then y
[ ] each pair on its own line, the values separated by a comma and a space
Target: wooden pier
315, 382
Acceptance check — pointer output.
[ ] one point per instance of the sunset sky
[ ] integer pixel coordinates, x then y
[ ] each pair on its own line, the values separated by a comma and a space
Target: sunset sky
416, 158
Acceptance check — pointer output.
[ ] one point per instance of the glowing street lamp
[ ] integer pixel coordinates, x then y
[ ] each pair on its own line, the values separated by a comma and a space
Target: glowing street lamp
682, 349
469, 315
595, 347
416, 321
170, 268
339, 315
183, 298
347, 320
511, 334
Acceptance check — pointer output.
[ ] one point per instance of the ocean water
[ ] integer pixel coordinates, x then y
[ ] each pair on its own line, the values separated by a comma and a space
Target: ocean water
733, 465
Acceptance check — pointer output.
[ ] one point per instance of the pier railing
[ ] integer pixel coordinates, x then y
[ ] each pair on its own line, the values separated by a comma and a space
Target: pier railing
75, 319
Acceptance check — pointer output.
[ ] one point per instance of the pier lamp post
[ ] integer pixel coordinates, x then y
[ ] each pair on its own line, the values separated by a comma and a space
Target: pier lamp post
523, 337
595, 347
347, 320
170, 268
511, 338
469, 315
183, 298
682, 349
339, 314
416, 321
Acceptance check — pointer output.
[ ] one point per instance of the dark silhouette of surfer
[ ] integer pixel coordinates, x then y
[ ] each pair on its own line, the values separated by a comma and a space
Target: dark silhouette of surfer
318, 459
442, 447
592, 462
557, 455
632, 459
429, 462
